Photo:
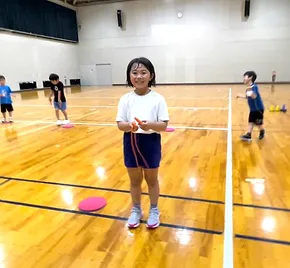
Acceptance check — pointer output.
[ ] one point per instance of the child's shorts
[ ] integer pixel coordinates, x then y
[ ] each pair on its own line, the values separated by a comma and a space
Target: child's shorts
58, 106
6, 108
142, 150
256, 117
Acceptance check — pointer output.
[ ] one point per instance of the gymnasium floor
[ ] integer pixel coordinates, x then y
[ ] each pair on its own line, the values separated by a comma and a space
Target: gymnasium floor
47, 170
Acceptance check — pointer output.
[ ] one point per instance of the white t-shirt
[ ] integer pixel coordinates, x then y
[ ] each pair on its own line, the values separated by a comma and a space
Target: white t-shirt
151, 107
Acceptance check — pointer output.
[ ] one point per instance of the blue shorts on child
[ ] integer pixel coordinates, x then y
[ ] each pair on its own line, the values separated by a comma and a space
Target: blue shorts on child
142, 150
59, 106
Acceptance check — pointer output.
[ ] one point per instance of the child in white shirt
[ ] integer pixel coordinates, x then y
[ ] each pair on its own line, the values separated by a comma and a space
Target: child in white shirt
142, 139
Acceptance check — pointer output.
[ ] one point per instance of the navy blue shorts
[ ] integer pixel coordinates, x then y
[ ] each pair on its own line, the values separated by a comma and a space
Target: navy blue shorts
142, 150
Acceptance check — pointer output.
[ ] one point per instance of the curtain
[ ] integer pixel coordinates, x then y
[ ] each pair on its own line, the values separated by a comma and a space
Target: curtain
39, 17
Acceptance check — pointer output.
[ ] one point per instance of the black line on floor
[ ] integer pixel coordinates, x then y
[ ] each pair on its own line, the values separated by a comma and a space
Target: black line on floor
262, 207
114, 190
4, 182
261, 239
173, 226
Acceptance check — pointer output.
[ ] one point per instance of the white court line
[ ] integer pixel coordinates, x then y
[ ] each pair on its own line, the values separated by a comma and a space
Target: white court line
33, 130
86, 115
114, 106
115, 125
171, 98
228, 258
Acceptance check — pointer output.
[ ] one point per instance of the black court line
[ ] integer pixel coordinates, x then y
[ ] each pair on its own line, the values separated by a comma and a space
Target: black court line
173, 226
113, 190
262, 207
261, 239
3, 182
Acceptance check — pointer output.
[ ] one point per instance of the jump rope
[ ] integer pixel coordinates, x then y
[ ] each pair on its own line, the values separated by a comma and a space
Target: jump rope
134, 145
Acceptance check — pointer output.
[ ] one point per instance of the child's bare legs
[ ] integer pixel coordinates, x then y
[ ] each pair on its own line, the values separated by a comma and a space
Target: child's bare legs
250, 128
4, 116
151, 177
10, 117
136, 177
57, 114
261, 127
65, 115
262, 132
248, 135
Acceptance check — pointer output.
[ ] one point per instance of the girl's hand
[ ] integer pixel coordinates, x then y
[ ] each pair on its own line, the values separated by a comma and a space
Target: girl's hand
134, 127
145, 126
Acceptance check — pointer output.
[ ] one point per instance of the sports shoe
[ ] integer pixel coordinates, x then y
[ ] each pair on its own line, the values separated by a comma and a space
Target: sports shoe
153, 219
3, 121
58, 122
66, 122
10, 120
246, 137
262, 134
135, 218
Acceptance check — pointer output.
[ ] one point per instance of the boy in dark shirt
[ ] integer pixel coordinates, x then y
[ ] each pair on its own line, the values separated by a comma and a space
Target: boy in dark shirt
256, 105
59, 102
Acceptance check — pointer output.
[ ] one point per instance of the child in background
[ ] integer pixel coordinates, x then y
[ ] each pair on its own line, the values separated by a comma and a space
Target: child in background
5, 100
142, 143
59, 103
256, 105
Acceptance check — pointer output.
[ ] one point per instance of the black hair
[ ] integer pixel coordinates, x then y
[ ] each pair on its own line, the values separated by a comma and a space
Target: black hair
252, 75
147, 64
53, 77
2, 77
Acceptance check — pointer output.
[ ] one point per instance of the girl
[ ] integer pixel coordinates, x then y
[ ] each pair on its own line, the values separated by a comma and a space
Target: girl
142, 141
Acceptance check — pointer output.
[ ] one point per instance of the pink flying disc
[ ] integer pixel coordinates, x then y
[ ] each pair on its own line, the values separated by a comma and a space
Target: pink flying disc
92, 204
169, 129
68, 126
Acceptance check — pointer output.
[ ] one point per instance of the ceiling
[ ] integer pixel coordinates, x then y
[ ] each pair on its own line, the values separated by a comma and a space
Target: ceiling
91, 2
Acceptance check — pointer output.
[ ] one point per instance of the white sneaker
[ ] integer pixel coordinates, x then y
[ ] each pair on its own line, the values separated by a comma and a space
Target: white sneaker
58, 122
135, 218
66, 122
4, 121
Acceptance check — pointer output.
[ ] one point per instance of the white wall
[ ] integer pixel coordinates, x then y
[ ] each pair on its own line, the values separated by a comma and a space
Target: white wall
29, 58
211, 43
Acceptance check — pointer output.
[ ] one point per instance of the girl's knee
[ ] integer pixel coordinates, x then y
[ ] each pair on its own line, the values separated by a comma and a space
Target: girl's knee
136, 183
152, 182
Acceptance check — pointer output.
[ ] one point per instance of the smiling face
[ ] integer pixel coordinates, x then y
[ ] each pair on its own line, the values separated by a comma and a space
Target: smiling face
140, 77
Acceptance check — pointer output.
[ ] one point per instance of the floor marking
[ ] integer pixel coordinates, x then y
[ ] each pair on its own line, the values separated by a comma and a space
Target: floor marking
114, 125
113, 217
115, 106
262, 207
169, 98
203, 108
86, 115
4, 182
217, 202
33, 130
228, 258
262, 239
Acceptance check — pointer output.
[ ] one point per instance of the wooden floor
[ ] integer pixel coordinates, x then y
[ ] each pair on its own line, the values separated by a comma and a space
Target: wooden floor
46, 171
